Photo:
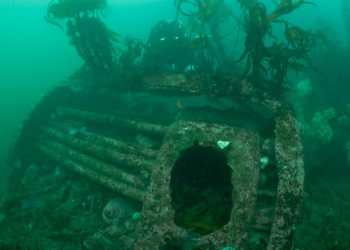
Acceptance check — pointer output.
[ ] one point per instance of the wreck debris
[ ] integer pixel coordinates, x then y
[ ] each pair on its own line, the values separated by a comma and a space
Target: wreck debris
142, 127
107, 142
290, 164
95, 146
129, 161
104, 180
96, 165
117, 211
288, 149
264, 219
157, 220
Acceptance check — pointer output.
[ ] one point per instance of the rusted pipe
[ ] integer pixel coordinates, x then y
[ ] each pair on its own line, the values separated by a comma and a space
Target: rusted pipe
109, 143
121, 146
143, 127
130, 161
106, 181
96, 165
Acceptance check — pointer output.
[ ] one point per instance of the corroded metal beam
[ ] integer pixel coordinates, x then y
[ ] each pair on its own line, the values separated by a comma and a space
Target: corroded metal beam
143, 127
185, 85
290, 164
97, 165
107, 142
130, 161
104, 180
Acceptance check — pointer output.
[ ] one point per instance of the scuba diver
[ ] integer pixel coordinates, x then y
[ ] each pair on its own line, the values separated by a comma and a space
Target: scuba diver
167, 48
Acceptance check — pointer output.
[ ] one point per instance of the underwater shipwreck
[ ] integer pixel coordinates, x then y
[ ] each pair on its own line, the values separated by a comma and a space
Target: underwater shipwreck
150, 146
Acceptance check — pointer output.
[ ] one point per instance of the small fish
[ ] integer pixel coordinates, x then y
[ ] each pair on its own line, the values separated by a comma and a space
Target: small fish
178, 104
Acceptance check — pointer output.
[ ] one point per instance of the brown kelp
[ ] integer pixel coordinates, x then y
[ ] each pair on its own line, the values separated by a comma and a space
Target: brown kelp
58, 11
278, 57
90, 37
87, 33
204, 26
128, 57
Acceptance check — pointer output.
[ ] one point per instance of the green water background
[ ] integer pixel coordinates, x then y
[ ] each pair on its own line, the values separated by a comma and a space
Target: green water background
35, 56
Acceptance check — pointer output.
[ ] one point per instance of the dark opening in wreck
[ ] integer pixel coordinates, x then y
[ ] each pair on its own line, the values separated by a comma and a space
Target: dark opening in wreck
201, 189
